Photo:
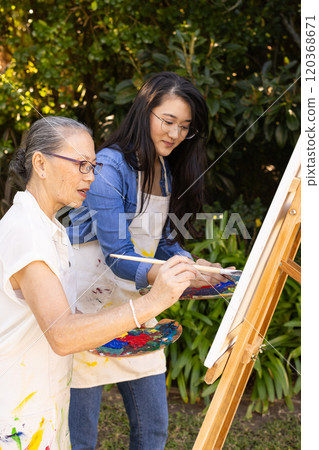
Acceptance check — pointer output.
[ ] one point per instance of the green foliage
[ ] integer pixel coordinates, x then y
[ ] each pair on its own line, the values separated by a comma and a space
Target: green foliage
6, 150
87, 59
216, 248
252, 217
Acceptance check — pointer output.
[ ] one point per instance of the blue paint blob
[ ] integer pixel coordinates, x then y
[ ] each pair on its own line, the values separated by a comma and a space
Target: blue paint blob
114, 344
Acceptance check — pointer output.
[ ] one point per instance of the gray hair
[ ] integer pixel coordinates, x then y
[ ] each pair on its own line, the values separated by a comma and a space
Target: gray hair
46, 135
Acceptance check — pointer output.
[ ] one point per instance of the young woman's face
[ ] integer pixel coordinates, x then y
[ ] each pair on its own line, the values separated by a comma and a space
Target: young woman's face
177, 117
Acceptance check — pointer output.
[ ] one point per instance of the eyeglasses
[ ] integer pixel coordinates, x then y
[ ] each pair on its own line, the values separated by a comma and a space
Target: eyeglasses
184, 131
84, 166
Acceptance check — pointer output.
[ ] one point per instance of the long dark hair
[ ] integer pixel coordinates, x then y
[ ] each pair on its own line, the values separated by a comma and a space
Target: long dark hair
187, 161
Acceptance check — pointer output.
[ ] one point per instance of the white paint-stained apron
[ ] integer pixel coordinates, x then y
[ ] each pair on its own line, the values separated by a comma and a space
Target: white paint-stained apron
35, 381
99, 287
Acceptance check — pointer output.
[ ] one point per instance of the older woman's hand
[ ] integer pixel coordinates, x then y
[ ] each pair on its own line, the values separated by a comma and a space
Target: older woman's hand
172, 279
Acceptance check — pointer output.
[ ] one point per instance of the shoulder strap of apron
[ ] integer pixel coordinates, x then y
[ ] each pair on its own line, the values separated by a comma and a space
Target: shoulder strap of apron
139, 178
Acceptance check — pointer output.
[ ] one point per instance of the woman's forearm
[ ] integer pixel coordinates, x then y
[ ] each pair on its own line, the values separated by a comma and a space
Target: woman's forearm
78, 332
70, 333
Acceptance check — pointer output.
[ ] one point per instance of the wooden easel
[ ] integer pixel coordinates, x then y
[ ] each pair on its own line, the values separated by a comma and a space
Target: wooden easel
236, 364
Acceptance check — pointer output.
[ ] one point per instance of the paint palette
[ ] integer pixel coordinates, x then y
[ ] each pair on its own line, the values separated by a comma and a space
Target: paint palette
142, 340
207, 292
210, 292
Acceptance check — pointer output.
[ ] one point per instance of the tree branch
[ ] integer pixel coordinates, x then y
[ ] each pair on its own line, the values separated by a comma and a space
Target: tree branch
290, 28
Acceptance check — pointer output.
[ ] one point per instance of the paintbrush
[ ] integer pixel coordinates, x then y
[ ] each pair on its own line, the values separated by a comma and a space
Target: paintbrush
200, 268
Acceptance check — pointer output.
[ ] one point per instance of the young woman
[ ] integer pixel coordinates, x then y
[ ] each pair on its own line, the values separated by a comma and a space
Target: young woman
150, 188
38, 329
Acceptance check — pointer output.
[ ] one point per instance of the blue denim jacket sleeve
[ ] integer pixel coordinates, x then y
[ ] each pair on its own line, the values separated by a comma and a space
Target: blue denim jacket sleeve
106, 215
113, 197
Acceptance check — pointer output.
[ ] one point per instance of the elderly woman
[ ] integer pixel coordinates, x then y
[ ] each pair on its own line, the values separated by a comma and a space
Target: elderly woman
38, 329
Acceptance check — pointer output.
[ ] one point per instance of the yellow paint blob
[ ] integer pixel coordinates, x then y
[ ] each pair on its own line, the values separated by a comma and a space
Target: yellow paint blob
122, 335
94, 363
144, 252
17, 410
36, 438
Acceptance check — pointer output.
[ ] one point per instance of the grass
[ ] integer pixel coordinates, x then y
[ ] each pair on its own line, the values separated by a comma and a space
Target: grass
273, 435
279, 429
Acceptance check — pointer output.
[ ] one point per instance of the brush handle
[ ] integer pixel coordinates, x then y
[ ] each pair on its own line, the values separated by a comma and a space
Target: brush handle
200, 268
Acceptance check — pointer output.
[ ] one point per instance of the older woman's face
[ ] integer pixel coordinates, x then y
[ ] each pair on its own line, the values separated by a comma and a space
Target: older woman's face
66, 183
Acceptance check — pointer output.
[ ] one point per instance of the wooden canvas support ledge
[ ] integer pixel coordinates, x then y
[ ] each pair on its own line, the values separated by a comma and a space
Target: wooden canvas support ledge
236, 364
292, 269
213, 373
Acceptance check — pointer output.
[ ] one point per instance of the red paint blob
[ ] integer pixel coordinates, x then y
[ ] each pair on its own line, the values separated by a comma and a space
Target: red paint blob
136, 341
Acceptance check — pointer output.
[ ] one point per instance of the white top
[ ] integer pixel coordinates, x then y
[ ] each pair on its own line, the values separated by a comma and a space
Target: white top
34, 381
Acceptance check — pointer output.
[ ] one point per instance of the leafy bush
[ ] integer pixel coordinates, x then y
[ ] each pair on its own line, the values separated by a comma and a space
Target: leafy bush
242, 57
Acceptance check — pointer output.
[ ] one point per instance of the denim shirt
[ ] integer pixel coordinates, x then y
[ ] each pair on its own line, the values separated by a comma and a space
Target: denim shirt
107, 213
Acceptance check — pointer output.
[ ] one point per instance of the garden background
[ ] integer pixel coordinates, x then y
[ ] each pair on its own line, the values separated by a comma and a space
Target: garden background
87, 59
